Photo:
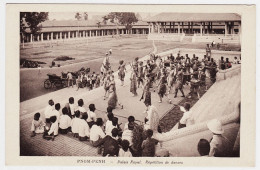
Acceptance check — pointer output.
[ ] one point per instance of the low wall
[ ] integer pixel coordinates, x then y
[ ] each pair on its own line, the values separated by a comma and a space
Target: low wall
217, 38
166, 37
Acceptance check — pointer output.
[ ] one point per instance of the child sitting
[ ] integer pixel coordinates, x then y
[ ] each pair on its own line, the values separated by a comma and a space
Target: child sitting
203, 147
65, 121
80, 106
75, 124
124, 151
148, 145
92, 117
108, 124
131, 119
84, 128
53, 132
37, 125
128, 133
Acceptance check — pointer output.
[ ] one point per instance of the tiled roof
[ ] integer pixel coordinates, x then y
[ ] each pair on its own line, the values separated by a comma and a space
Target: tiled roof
167, 17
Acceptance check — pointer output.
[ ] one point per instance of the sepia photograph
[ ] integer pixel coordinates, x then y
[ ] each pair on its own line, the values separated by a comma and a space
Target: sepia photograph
129, 83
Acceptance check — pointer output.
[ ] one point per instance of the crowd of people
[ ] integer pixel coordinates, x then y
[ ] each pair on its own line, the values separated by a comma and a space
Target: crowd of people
135, 139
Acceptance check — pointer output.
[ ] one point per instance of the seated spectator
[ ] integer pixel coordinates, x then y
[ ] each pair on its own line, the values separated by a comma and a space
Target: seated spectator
37, 124
65, 121
80, 107
203, 147
56, 112
131, 119
96, 132
128, 133
53, 132
219, 145
109, 109
92, 117
71, 107
222, 64
236, 61
84, 129
148, 145
75, 124
160, 151
114, 125
124, 151
48, 111
108, 124
228, 64
110, 144
186, 115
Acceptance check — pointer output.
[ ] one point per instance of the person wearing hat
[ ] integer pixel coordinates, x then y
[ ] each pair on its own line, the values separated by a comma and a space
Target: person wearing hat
186, 115
219, 145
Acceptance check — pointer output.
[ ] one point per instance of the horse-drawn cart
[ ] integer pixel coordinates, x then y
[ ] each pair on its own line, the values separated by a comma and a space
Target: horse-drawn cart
55, 81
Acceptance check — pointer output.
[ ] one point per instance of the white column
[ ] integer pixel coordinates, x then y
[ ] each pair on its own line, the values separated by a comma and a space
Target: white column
38, 37
225, 28
51, 35
41, 36
60, 35
201, 29
158, 28
178, 28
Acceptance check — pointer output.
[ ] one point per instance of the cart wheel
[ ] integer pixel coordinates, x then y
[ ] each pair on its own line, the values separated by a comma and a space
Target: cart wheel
58, 84
47, 84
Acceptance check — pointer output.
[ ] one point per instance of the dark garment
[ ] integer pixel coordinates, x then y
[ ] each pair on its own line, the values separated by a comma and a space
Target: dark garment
148, 147
111, 146
181, 126
64, 131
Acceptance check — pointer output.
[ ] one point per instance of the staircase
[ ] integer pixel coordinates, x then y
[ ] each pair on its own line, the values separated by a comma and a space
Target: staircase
219, 102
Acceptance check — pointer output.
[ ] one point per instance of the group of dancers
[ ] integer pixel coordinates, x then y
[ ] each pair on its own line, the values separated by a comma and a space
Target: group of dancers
161, 75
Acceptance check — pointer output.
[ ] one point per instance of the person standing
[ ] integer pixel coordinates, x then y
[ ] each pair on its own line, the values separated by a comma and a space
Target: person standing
112, 99
146, 91
133, 80
140, 74
121, 71
179, 85
70, 79
162, 87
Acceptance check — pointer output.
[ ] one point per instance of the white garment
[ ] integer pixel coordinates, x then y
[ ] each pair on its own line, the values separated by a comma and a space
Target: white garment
219, 145
72, 109
186, 116
75, 125
122, 153
48, 111
128, 135
83, 128
91, 116
54, 128
96, 132
126, 126
57, 114
65, 122
82, 109
109, 130
37, 126
108, 125
153, 119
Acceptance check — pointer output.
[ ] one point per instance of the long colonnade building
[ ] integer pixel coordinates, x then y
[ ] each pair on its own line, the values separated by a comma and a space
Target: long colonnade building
190, 27
175, 26
72, 29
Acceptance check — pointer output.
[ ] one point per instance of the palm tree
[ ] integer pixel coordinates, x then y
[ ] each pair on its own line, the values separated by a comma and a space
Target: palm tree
78, 17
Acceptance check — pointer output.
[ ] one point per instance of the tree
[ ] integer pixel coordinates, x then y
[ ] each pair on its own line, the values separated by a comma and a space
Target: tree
124, 18
98, 24
78, 16
33, 20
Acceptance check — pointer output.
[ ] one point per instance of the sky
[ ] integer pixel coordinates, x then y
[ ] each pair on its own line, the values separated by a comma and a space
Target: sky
71, 15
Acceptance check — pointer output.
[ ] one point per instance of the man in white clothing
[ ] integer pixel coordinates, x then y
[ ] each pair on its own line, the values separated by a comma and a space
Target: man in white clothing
96, 132
48, 110
83, 128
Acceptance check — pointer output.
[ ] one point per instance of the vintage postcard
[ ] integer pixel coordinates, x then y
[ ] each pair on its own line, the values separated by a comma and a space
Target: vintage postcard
130, 85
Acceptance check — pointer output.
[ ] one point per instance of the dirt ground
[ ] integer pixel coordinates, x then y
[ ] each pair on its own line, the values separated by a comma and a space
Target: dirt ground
86, 54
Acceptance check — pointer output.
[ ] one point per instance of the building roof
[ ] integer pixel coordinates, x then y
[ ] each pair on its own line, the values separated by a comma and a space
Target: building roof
196, 17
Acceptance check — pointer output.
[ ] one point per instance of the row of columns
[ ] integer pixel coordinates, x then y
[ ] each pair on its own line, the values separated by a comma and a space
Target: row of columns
161, 27
82, 34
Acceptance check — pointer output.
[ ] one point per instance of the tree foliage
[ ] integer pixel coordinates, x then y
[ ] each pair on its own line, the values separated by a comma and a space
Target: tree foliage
124, 18
33, 19
78, 16
85, 14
